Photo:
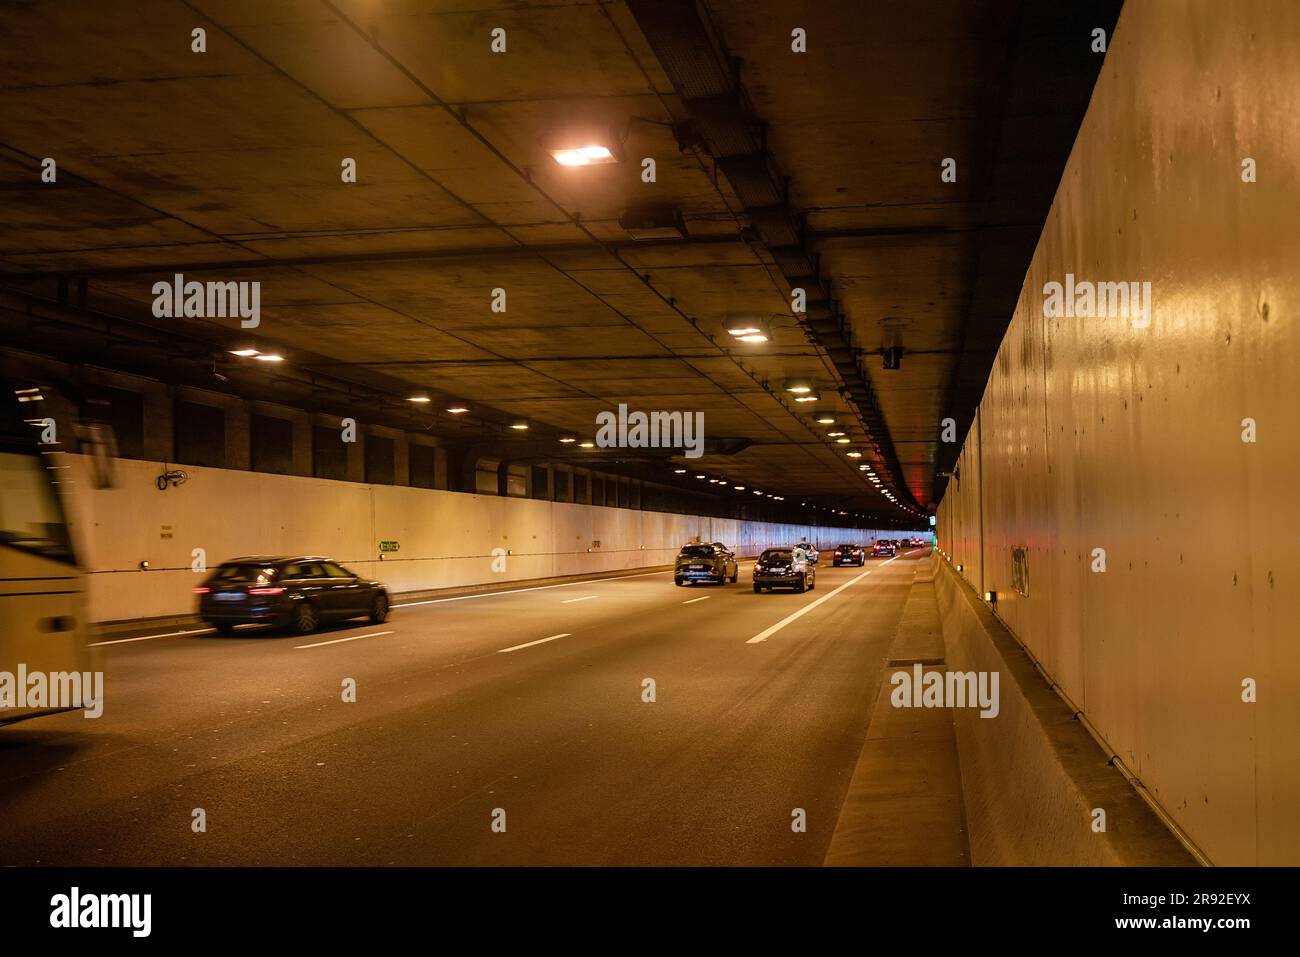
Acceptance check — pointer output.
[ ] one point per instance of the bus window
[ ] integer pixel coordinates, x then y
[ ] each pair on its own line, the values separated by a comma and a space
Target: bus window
30, 515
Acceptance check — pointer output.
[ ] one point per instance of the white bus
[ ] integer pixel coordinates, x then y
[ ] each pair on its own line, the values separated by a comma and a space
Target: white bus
43, 625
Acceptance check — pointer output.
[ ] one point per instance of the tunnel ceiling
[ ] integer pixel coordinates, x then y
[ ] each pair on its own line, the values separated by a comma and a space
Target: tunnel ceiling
225, 165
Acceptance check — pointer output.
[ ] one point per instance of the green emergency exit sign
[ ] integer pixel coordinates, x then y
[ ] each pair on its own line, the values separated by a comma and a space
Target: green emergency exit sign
389, 546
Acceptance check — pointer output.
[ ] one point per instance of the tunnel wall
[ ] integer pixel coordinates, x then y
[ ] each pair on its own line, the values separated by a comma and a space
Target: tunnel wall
446, 539
1105, 433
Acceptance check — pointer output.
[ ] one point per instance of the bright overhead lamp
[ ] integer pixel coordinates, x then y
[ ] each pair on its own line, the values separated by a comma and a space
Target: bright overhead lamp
519, 426
740, 488
701, 475
825, 420
835, 435
418, 398
809, 397
843, 441
568, 439
679, 471
244, 353
269, 357
593, 155
757, 492
854, 454
585, 145
457, 408
749, 330
586, 445
798, 386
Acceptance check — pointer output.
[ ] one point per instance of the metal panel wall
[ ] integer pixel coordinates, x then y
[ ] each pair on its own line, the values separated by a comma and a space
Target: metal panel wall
1104, 432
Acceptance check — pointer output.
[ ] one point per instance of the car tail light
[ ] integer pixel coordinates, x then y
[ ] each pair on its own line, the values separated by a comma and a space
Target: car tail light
202, 591
757, 567
267, 591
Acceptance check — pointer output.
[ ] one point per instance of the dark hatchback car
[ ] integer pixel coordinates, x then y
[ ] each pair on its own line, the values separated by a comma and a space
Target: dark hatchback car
705, 563
849, 555
298, 593
784, 568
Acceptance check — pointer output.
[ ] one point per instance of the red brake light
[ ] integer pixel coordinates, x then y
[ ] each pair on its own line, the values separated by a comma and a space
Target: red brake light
202, 591
267, 591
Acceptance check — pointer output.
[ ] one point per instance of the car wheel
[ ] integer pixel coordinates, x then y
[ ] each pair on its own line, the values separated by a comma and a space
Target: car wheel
225, 630
678, 582
304, 620
803, 584
735, 576
757, 589
379, 609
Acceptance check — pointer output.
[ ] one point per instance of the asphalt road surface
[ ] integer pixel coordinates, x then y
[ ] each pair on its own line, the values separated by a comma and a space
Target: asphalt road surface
529, 701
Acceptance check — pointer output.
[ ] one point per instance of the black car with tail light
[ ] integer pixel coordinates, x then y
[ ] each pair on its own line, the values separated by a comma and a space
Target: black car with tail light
295, 592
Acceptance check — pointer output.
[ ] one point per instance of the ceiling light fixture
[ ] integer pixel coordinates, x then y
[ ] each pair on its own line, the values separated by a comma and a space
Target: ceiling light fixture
457, 408
749, 330
269, 357
244, 353
418, 398
519, 426
584, 145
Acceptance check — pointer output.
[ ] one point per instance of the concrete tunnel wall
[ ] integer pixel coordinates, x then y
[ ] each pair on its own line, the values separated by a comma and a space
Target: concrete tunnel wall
446, 538
1094, 433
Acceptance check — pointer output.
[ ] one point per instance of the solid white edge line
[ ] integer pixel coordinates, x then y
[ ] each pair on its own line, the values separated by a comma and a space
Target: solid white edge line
767, 633
170, 634
570, 601
516, 591
529, 644
317, 644
694, 600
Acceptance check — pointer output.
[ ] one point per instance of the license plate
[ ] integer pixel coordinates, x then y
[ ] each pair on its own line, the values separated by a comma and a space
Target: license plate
699, 568
229, 596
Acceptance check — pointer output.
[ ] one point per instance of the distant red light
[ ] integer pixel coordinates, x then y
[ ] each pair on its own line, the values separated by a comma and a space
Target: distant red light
202, 591
267, 591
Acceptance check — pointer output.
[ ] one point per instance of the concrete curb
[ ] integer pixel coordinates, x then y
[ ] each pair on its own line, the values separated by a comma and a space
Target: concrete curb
903, 806
1033, 776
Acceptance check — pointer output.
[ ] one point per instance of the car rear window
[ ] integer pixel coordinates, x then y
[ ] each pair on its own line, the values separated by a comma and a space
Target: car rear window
697, 551
245, 574
846, 548
777, 556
